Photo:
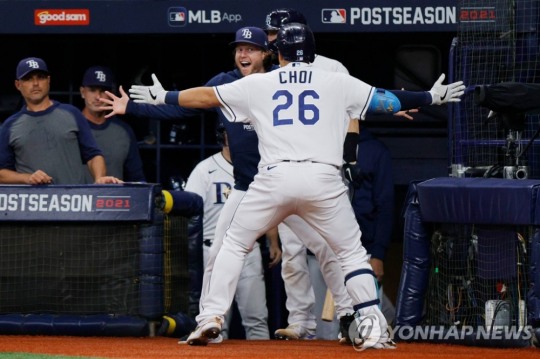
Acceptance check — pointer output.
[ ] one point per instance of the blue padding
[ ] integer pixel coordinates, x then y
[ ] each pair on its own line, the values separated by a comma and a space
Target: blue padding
111, 202
83, 325
151, 263
416, 264
533, 294
186, 203
479, 200
151, 296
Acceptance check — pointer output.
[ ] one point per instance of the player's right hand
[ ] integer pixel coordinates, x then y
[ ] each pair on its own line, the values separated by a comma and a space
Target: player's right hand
39, 177
148, 94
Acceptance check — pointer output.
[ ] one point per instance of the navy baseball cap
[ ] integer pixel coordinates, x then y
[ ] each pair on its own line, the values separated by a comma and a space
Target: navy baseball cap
30, 64
251, 35
98, 76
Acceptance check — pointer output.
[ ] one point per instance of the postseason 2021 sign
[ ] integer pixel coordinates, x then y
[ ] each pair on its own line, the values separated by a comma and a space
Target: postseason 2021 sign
126, 202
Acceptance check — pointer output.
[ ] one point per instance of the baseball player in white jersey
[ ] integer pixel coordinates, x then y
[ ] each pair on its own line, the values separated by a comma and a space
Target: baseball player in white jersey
302, 287
213, 180
301, 115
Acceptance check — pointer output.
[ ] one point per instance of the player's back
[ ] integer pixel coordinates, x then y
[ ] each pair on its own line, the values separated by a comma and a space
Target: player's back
299, 112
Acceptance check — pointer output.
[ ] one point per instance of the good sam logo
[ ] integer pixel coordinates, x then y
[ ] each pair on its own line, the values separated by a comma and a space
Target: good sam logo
61, 17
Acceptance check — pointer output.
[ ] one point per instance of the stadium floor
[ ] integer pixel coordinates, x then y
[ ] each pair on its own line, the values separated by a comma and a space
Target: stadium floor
33, 347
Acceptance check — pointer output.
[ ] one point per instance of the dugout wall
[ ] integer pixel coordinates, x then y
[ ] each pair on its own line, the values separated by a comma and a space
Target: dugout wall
81, 260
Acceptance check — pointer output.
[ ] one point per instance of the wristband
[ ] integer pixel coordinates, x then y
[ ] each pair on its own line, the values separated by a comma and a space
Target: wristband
171, 97
349, 147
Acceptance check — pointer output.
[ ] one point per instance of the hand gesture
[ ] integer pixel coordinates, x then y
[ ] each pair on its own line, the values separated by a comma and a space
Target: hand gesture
148, 94
406, 113
117, 105
441, 94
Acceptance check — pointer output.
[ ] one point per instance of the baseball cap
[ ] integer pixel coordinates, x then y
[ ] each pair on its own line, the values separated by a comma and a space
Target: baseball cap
98, 76
30, 64
251, 35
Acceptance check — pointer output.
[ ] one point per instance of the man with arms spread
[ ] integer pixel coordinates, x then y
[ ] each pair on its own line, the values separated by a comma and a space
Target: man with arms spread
295, 110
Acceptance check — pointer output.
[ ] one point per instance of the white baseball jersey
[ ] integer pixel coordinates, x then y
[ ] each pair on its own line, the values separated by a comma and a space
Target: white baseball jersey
212, 179
328, 64
299, 98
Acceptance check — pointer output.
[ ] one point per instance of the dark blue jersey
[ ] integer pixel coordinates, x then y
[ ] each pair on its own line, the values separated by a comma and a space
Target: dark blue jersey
242, 139
373, 200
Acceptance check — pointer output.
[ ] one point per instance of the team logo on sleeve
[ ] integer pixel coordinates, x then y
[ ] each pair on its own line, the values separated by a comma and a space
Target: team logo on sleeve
334, 16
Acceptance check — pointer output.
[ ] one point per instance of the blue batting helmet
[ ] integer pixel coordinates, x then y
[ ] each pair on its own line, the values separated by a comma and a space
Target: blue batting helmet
295, 42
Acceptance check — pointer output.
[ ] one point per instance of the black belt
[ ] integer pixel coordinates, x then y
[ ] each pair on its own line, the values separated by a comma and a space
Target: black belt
309, 161
208, 242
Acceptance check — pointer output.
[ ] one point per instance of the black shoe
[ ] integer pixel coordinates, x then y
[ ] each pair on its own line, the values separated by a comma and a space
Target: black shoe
344, 324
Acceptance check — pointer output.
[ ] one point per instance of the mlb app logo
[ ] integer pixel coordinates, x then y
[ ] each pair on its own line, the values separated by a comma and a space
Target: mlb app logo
177, 16
334, 16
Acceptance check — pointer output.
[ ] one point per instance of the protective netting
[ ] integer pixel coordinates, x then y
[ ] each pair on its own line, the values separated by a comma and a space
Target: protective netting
478, 276
497, 41
176, 272
69, 268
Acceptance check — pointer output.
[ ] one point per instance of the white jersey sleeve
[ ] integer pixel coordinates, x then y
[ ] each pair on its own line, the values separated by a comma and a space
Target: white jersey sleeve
212, 179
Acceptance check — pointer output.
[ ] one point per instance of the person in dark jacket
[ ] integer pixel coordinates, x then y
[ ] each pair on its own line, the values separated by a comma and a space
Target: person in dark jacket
372, 198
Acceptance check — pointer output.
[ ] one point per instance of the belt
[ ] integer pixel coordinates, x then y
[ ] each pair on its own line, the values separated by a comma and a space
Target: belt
308, 161
208, 242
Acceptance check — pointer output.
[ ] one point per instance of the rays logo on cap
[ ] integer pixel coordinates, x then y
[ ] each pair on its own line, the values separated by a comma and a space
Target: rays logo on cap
101, 76
33, 64
247, 34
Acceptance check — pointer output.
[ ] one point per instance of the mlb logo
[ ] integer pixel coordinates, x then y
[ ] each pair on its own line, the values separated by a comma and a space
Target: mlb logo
177, 16
334, 16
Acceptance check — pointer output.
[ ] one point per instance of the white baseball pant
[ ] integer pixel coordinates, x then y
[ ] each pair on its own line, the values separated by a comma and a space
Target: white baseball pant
315, 192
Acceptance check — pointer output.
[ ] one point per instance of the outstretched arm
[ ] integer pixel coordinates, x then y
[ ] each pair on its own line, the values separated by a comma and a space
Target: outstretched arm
197, 97
389, 102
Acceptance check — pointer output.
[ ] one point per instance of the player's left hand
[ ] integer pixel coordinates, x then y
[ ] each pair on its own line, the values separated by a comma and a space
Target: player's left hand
153, 95
441, 94
407, 113
378, 268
